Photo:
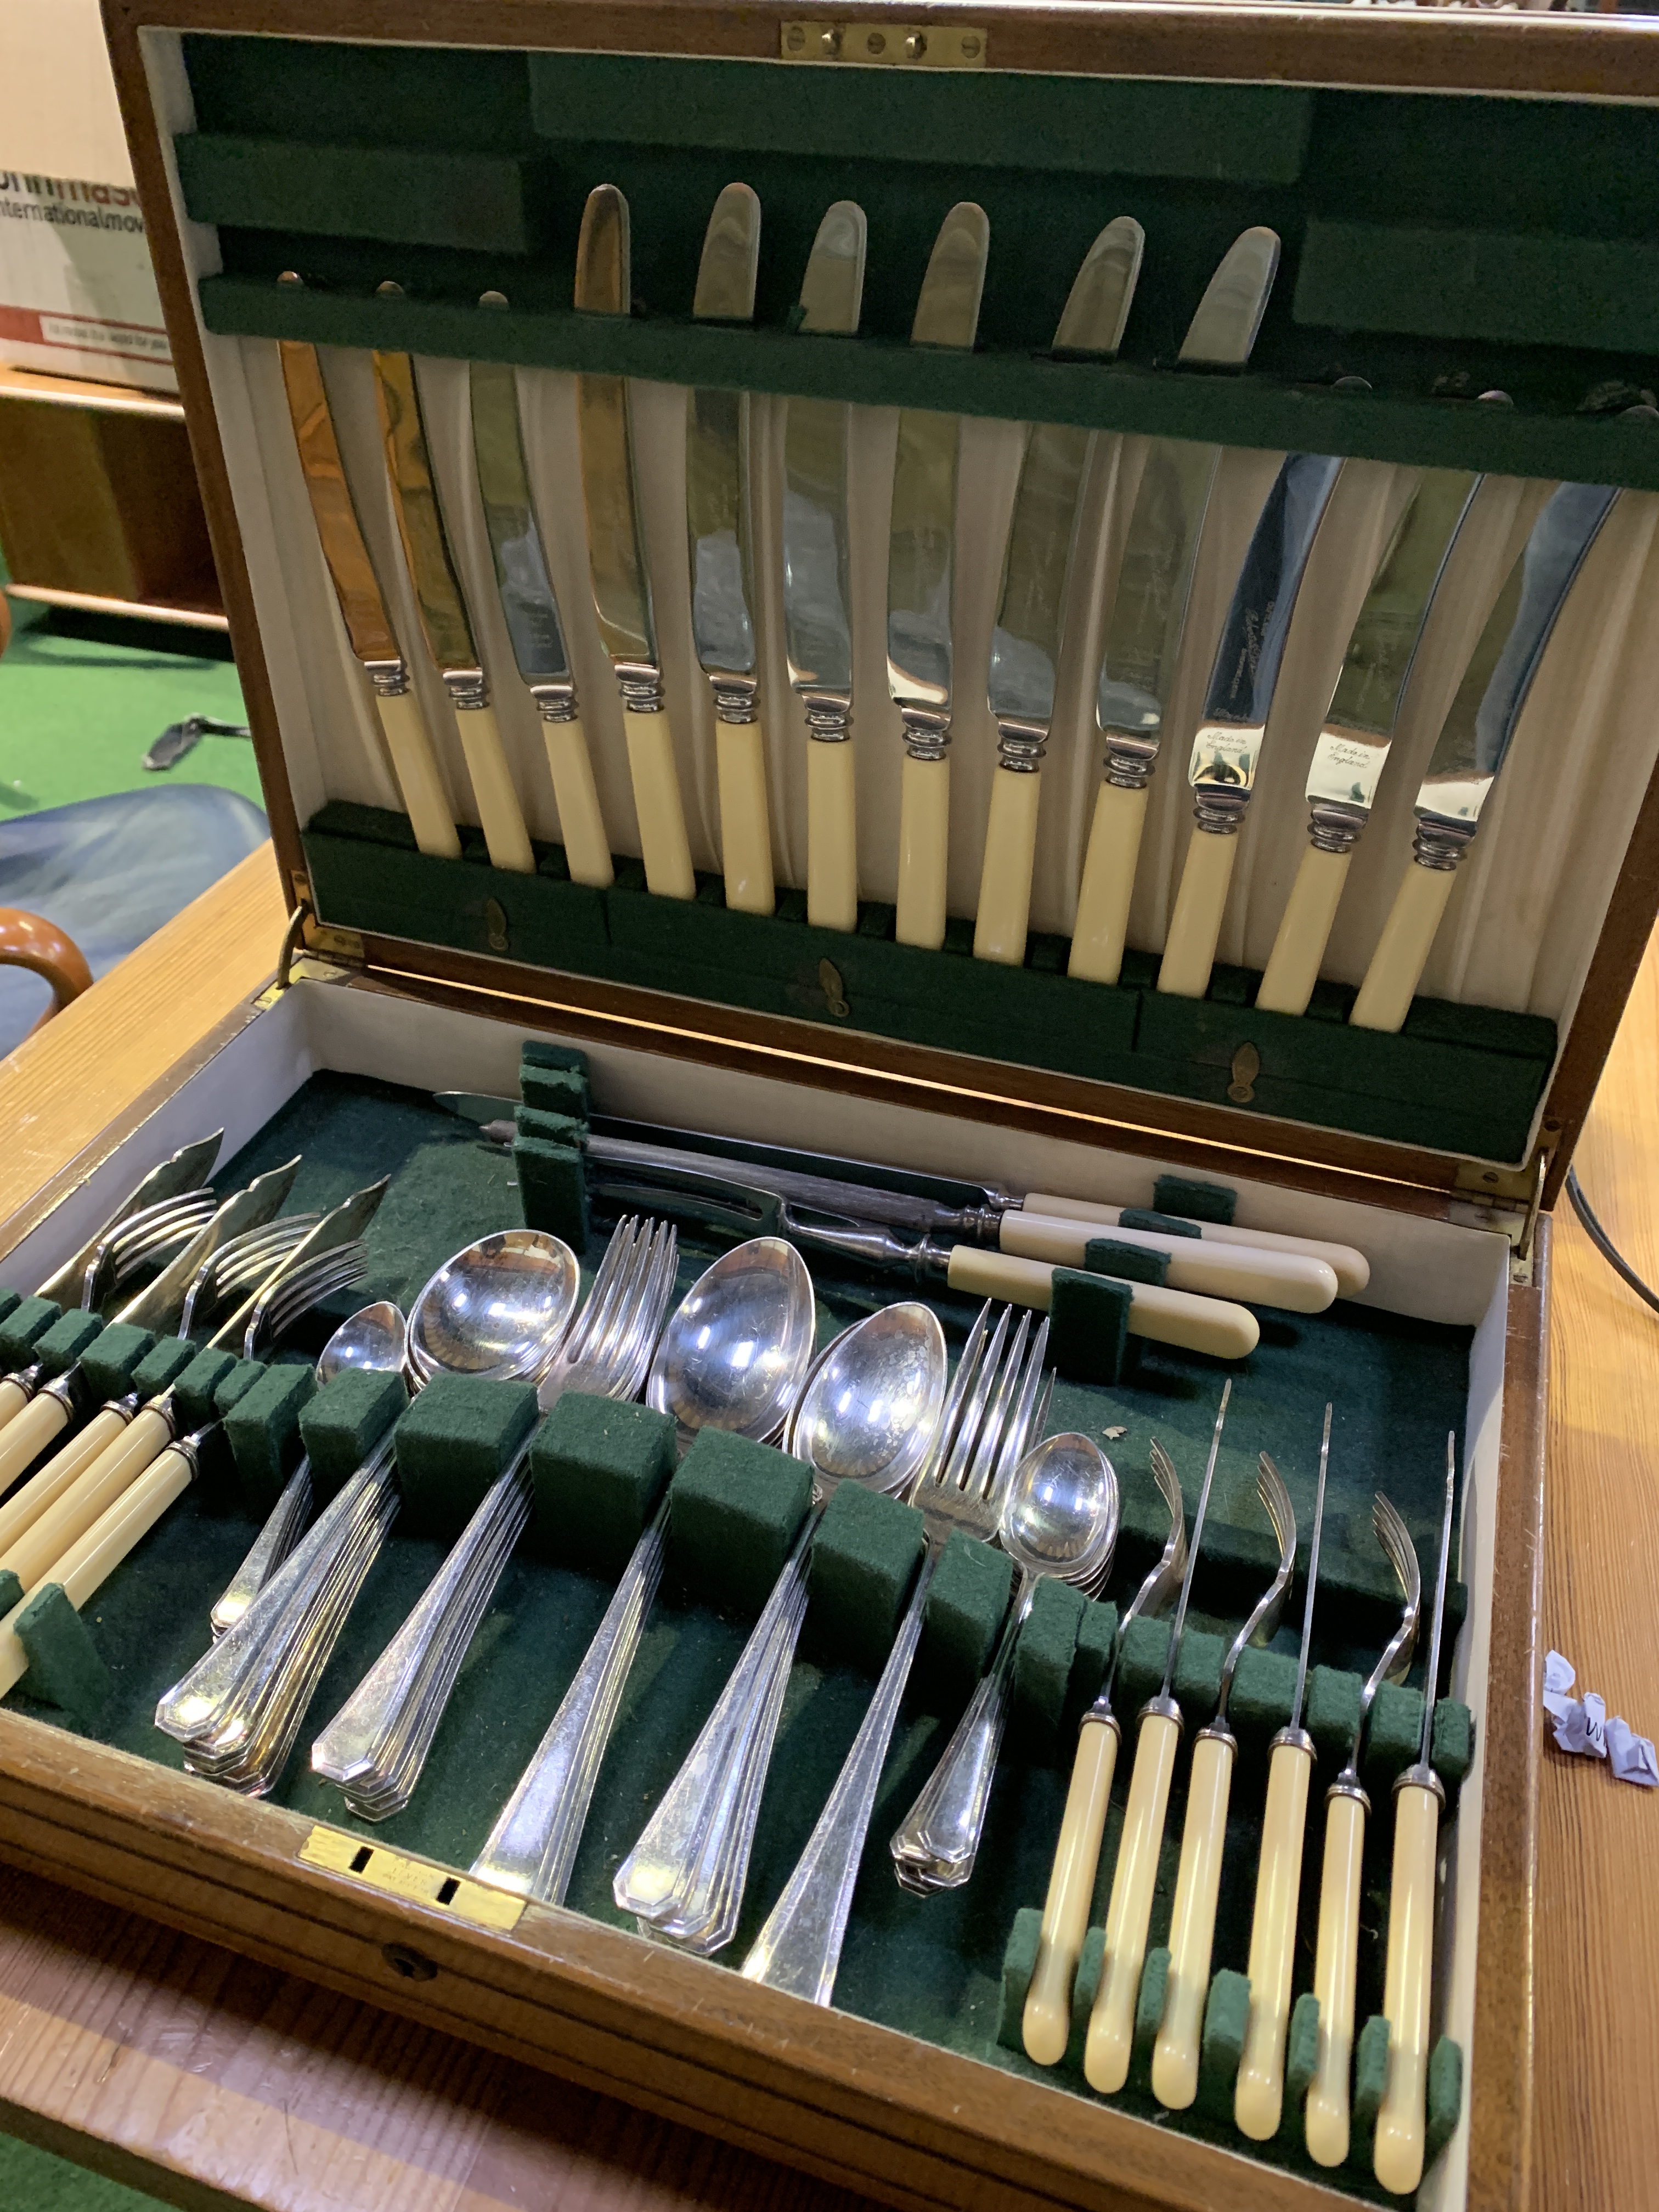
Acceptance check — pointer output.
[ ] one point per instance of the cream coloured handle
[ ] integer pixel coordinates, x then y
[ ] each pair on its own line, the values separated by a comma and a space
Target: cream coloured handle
1402, 2118
1403, 950
1336, 1969
13, 1399
663, 845
586, 848
1190, 949
1353, 1269
1268, 1278
48, 1483
1048, 2022
1304, 930
1192, 1928
500, 815
415, 765
1259, 2095
924, 851
1217, 1326
832, 843
1005, 880
745, 824
24, 1438
90, 1561
96, 1487
1129, 1917
1107, 886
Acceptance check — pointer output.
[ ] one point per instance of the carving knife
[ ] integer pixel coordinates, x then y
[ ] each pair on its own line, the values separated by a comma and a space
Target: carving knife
1475, 739
532, 613
817, 618
443, 612
362, 609
1353, 743
722, 591
1149, 611
616, 555
1029, 636
1227, 745
921, 567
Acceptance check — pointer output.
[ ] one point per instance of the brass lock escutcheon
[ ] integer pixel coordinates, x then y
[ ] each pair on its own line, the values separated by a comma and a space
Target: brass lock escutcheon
884, 46
496, 924
835, 991
1246, 1066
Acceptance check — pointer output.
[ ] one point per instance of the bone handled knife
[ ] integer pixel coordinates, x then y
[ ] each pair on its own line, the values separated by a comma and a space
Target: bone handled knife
1029, 636
616, 557
1227, 745
1475, 742
1352, 747
722, 589
362, 609
921, 571
817, 619
531, 614
443, 614
1148, 611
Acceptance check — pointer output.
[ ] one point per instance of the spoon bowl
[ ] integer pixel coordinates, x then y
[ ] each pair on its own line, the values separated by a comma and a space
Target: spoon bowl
736, 1348
374, 1338
496, 1311
873, 1401
1061, 1516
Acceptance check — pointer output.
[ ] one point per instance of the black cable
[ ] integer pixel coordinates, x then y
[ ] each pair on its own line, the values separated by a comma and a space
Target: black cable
1604, 1243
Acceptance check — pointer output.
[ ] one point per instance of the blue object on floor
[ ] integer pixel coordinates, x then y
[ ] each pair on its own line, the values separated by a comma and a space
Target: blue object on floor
109, 872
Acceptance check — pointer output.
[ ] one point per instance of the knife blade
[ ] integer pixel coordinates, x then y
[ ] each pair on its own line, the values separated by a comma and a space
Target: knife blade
921, 567
363, 608
616, 557
1475, 739
442, 612
818, 620
531, 611
1242, 681
722, 590
1028, 638
1353, 746
1149, 611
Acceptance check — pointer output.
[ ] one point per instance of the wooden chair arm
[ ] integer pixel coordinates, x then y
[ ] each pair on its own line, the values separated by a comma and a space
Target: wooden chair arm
28, 941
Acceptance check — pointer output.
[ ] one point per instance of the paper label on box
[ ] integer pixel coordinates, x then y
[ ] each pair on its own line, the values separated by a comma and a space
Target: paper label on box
77, 293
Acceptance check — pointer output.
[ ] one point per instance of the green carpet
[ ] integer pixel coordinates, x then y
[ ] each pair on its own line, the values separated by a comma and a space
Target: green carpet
34, 2181
83, 697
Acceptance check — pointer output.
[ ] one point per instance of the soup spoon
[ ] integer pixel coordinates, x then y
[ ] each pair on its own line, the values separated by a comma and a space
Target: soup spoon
497, 1309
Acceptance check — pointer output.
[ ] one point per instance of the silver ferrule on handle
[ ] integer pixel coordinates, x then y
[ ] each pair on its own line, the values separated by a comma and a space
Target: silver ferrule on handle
388, 678
828, 716
555, 702
926, 732
737, 698
1219, 811
1440, 843
1335, 827
1021, 744
1129, 760
641, 684
468, 688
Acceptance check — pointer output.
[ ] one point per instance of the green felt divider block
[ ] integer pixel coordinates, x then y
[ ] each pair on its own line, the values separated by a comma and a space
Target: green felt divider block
597, 1470
556, 1089
546, 1057
1195, 1202
244, 1378
1445, 2097
1018, 1965
735, 1507
457, 1437
865, 1557
1452, 1747
1129, 1263
534, 1122
197, 1387
1092, 1962
9, 1302
64, 1668
1149, 2016
1301, 2051
1160, 1224
1197, 1668
1332, 1712
62, 1344
161, 1366
23, 1329
263, 1429
1042, 1667
110, 1361
11, 1591
1371, 2083
1097, 1636
1088, 1326
966, 1601
553, 1189
1264, 1686
1226, 2021
1394, 1732
345, 1421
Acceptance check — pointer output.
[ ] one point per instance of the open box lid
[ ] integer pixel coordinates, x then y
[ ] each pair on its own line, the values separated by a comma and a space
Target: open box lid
1432, 245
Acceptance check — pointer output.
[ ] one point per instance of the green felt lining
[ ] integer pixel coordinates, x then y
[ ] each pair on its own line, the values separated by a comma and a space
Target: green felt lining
1089, 1322
734, 1510
64, 1668
1178, 1197
160, 1366
9, 1301
345, 1420
262, 1426
1129, 1263
23, 1329
457, 1437
865, 1557
108, 1363
598, 1471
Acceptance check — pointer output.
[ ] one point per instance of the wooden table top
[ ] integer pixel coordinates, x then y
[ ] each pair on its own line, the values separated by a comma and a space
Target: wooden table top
206, 2079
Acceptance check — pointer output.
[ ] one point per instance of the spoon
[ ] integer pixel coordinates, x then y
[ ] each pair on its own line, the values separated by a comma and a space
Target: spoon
497, 1309
873, 1400
734, 1354
376, 1338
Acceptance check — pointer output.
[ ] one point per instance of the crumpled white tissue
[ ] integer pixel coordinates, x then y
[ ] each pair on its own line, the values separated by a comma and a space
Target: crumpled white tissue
1581, 1725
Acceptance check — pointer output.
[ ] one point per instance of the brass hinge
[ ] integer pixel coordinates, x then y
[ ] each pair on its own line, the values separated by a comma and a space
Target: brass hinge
414, 1879
311, 951
886, 45
1506, 1201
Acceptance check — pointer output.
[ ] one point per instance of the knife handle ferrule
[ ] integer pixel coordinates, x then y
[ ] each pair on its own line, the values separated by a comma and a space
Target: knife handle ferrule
828, 716
640, 683
555, 702
926, 732
1130, 762
468, 688
388, 678
737, 698
1439, 842
1334, 827
1021, 746
1219, 813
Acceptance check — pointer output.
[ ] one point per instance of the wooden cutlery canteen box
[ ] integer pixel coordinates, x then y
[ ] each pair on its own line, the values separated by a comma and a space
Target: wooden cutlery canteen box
1084, 632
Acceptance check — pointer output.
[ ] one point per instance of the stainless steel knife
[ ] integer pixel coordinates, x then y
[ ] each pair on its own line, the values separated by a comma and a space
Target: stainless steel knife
1149, 611
532, 613
921, 567
616, 555
363, 607
1353, 746
817, 618
1227, 745
722, 590
1030, 633
1474, 741
442, 612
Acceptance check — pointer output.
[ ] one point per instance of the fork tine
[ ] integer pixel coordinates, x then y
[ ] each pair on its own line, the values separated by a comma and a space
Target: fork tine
1395, 1540
662, 1261
939, 1451
970, 1419
996, 1420
1011, 1441
620, 1316
1270, 1489
1169, 1483
590, 1324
